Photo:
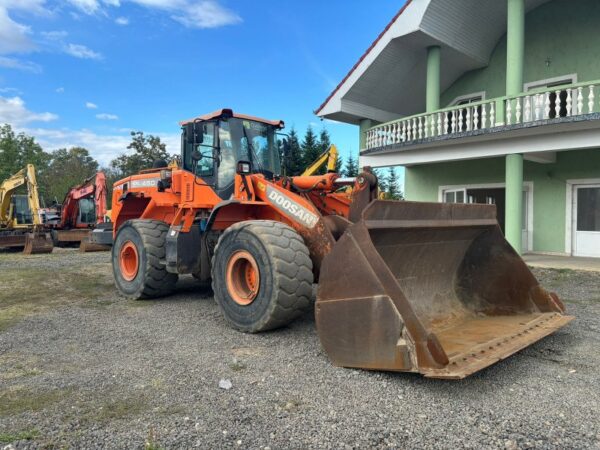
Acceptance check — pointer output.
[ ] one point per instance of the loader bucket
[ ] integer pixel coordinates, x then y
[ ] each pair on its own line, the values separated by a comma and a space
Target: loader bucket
37, 242
430, 288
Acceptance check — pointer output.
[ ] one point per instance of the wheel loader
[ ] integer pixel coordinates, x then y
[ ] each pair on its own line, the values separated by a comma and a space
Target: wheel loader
402, 286
20, 222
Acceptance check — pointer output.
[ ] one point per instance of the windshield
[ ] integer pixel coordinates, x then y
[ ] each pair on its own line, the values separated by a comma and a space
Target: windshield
247, 140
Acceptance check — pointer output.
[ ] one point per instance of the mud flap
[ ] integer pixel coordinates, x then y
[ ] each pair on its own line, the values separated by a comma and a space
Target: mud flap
430, 288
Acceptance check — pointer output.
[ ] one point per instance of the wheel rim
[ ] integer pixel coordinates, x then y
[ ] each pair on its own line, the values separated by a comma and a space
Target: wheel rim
129, 261
243, 278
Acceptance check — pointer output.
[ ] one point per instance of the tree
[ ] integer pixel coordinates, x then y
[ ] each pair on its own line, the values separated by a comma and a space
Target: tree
311, 149
293, 161
382, 181
67, 168
17, 150
146, 150
351, 169
393, 189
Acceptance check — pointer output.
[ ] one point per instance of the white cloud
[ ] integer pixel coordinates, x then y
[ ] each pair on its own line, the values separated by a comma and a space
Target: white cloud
207, 14
105, 116
54, 35
103, 147
90, 105
14, 63
60, 90
86, 6
14, 112
10, 90
29, 6
14, 37
122, 21
81, 51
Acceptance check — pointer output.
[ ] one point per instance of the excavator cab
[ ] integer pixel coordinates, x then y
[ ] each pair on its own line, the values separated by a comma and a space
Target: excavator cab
213, 148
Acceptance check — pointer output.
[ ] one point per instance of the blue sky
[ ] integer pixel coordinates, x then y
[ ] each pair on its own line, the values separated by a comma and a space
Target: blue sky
84, 72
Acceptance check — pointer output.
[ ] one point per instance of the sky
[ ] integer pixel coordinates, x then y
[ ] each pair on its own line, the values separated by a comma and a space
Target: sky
87, 72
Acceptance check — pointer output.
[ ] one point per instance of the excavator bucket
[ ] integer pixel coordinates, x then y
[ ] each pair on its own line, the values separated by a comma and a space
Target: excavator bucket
87, 246
430, 288
37, 242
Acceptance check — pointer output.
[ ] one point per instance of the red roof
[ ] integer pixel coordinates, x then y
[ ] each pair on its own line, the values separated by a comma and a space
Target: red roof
226, 111
408, 2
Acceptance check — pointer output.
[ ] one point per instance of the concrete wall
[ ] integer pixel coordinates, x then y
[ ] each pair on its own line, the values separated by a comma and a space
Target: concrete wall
549, 187
562, 32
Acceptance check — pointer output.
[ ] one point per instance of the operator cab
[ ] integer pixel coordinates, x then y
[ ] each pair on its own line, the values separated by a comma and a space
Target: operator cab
212, 146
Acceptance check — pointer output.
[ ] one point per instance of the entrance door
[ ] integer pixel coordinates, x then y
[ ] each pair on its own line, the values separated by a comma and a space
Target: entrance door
586, 214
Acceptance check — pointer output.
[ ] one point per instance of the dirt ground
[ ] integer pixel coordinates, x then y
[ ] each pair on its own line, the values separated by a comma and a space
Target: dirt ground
81, 367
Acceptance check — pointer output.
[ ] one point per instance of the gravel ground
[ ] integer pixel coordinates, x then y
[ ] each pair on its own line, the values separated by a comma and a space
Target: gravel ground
81, 367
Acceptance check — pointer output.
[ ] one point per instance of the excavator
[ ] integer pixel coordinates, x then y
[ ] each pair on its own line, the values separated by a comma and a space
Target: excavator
20, 219
429, 288
82, 213
328, 159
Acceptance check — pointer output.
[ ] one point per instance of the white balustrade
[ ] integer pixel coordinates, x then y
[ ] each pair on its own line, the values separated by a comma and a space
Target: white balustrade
551, 104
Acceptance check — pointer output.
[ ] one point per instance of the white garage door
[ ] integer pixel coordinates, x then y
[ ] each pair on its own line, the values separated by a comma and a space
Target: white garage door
587, 220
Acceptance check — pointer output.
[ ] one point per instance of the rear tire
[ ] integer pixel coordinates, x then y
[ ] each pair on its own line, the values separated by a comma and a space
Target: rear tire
137, 253
276, 286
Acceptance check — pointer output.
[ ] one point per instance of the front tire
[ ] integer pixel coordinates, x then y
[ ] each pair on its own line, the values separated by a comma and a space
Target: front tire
137, 253
261, 275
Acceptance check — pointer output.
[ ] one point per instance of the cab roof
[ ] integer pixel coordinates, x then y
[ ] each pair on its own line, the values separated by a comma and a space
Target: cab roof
225, 112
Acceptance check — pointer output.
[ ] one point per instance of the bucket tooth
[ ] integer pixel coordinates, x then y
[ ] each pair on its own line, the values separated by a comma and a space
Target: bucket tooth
429, 288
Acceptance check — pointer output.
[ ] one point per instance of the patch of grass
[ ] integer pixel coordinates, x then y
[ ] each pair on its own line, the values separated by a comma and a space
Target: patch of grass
18, 365
151, 443
32, 291
19, 399
119, 409
26, 435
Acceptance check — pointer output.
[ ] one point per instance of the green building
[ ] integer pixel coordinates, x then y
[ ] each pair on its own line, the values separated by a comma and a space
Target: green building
489, 101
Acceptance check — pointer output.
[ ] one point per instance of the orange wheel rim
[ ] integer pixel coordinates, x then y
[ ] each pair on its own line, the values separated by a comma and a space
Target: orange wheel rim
129, 261
243, 278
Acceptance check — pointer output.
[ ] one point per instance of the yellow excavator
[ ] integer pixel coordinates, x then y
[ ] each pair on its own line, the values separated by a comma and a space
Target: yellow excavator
20, 220
329, 156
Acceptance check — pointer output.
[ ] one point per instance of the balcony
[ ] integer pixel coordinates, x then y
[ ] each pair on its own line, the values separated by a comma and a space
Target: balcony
574, 104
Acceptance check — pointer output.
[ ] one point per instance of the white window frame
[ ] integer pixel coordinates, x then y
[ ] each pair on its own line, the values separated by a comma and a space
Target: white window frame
571, 205
527, 187
462, 98
570, 79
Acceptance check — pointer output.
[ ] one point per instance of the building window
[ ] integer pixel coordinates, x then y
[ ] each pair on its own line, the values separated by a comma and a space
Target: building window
455, 196
558, 97
466, 100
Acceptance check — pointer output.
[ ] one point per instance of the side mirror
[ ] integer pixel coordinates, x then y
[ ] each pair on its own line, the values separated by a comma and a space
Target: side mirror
196, 156
189, 133
199, 129
285, 144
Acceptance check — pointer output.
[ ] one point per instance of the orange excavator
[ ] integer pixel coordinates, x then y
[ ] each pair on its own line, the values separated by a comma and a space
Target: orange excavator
402, 286
82, 211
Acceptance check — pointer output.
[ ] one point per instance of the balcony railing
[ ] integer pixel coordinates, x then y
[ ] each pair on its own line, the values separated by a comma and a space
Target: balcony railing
537, 105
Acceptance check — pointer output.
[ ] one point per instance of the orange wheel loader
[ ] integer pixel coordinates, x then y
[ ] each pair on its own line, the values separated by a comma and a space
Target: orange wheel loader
403, 286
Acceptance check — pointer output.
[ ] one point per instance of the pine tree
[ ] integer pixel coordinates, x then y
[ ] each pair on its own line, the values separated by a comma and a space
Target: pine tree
351, 169
293, 162
382, 181
310, 148
338, 165
393, 188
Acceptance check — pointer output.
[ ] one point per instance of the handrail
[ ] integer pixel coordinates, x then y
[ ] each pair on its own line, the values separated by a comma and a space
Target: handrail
536, 104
